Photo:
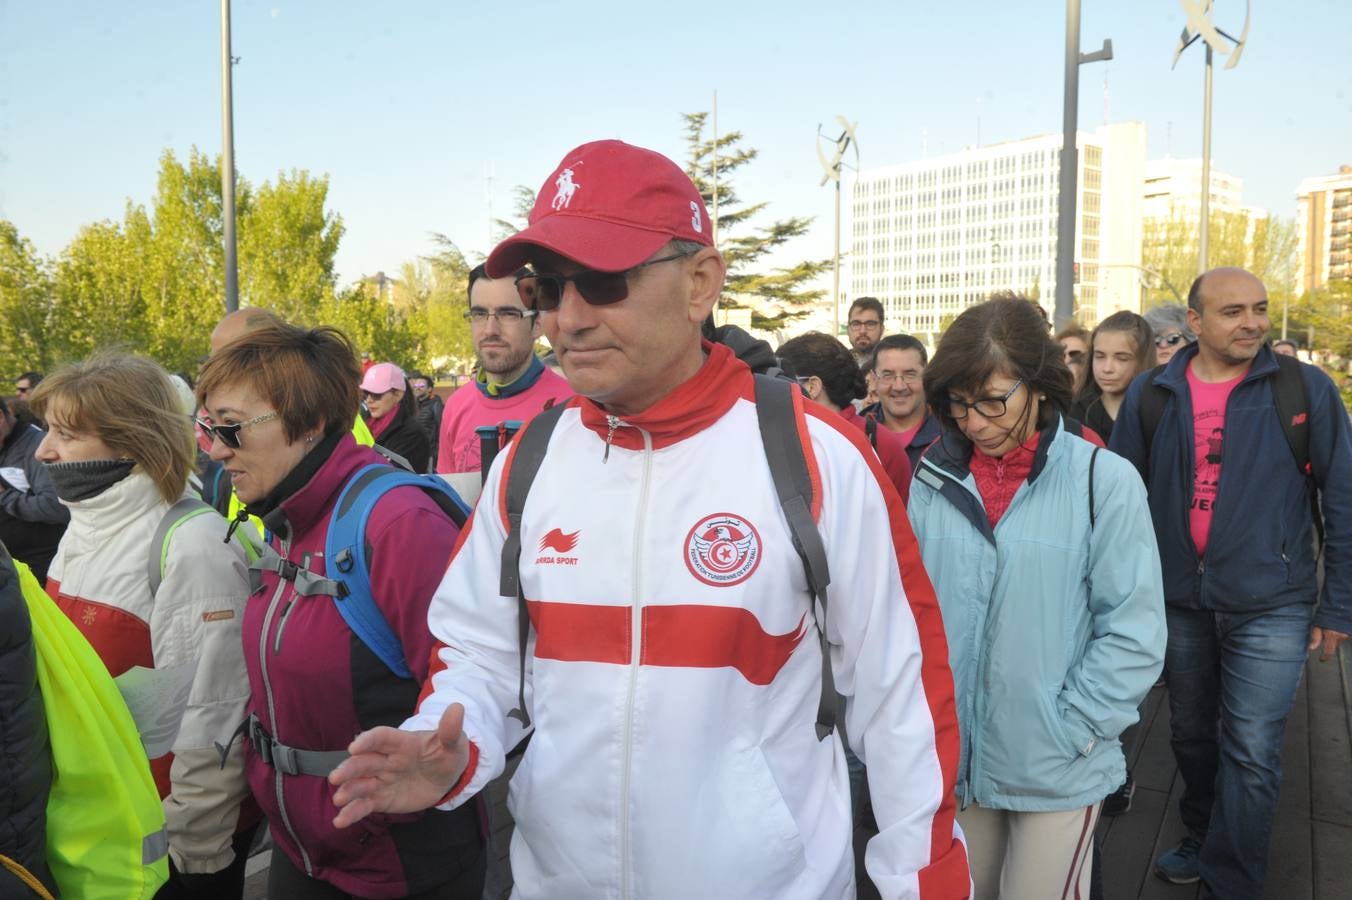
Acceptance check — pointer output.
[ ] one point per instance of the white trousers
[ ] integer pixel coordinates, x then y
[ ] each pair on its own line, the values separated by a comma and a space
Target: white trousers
1030, 855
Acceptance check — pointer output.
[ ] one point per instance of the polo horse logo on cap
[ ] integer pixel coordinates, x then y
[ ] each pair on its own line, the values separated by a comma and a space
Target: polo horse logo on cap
566, 188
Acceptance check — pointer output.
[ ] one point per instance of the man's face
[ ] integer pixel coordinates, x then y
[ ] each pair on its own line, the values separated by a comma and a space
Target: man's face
898, 376
865, 328
22, 388
421, 387
504, 345
629, 354
1234, 318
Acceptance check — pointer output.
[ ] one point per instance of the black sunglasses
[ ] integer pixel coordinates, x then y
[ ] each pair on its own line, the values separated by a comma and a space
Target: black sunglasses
229, 434
1169, 340
543, 291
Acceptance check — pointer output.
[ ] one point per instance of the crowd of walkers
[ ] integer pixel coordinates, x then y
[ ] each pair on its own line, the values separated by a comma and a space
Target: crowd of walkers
809, 621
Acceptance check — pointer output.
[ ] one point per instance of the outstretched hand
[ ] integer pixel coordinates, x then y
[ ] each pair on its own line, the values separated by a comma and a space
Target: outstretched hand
400, 771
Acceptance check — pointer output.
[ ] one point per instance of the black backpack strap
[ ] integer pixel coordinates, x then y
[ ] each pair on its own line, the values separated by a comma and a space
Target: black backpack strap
1292, 399
871, 430
1293, 409
530, 452
793, 483
1092, 457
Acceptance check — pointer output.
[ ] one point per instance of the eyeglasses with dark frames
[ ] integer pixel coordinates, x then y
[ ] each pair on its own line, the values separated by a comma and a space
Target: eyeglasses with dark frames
229, 434
504, 315
543, 291
864, 323
988, 407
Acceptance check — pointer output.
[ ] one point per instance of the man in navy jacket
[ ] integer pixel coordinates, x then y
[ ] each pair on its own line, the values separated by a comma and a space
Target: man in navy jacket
1233, 517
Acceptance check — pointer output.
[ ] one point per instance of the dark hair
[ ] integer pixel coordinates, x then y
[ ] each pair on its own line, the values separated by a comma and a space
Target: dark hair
870, 303
1127, 323
34, 378
820, 354
408, 404
481, 271
899, 342
1195, 294
1005, 335
308, 375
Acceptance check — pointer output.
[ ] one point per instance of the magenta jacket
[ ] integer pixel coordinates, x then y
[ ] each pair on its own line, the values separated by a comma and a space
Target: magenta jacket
315, 685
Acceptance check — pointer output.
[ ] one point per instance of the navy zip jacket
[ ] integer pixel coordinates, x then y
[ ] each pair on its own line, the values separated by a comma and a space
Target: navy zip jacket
1260, 551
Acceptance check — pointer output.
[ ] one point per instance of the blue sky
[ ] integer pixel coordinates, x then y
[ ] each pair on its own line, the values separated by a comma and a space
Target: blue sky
408, 106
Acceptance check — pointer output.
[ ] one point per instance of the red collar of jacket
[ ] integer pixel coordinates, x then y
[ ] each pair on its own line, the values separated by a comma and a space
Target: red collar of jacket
693, 406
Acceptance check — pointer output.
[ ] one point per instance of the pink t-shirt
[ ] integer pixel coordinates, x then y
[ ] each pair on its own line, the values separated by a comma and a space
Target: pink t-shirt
469, 408
1208, 431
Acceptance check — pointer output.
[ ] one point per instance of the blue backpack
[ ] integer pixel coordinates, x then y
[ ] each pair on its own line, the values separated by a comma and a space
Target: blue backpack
347, 575
346, 553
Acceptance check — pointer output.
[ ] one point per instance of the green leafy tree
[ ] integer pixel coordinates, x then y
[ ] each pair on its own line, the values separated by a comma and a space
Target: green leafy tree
288, 241
775, 296
523, 201
99, 297
1264, 246
26, 303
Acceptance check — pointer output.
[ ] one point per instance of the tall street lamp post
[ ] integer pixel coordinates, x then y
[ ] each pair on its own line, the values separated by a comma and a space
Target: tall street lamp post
1067, 185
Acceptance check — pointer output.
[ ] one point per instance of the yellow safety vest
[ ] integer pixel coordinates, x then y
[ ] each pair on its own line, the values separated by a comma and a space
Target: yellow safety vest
105, 825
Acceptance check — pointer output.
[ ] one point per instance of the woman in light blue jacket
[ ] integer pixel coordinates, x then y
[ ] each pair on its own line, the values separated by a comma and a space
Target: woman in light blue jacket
1042, 552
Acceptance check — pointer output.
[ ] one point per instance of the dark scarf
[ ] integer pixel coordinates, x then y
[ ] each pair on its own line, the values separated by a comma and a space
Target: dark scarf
81, 480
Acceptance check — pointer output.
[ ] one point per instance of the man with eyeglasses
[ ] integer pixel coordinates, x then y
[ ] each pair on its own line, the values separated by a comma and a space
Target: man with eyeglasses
865, 327
510, 385
898, 376
674, 675
430, 408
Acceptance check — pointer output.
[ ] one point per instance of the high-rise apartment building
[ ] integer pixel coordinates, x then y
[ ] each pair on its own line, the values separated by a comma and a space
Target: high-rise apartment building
1324, 219
931, 237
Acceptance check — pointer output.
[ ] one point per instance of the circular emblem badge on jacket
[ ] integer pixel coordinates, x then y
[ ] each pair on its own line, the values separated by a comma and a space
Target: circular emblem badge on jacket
722, 549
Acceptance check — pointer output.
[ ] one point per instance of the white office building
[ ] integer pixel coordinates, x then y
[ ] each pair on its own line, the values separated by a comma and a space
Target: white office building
931, 237
1173, 189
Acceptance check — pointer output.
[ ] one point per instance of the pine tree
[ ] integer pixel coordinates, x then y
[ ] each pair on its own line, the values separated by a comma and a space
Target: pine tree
775, 297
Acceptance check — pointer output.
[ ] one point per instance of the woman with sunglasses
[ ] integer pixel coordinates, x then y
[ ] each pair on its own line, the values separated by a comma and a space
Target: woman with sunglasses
1169, 323
1120, 348
281, 402
120, 451
1043, 557
394, 415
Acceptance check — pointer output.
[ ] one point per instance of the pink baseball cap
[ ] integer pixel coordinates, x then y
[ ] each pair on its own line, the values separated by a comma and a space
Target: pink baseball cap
383, 377
608, 206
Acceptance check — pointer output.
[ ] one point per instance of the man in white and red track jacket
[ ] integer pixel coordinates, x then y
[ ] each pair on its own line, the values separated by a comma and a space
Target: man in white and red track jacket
673, 673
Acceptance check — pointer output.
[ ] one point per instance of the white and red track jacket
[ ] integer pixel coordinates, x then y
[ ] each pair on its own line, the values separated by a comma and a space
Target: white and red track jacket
674, 672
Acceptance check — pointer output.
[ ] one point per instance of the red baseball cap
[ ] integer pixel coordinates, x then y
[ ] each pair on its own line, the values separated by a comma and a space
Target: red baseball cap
608, 206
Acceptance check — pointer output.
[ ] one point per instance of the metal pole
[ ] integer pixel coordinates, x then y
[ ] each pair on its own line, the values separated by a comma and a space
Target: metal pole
1204, 232
835, 276
1067, 183
715, 210
228, 165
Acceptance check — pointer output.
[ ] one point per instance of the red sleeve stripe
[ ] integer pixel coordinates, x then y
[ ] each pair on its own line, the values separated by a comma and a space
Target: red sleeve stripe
935, 676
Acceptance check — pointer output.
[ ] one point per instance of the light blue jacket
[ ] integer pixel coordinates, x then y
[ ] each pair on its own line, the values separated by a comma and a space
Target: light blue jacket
1055, 625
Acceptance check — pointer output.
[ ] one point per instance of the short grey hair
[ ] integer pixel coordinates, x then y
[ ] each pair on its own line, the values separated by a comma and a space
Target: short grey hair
689, 248
1169, 317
